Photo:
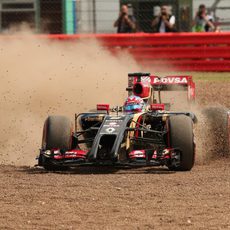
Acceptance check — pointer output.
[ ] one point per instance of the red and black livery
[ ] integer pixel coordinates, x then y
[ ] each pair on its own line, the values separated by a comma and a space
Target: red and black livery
154, 137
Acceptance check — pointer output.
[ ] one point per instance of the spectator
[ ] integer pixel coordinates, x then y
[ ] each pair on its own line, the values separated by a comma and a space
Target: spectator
202, 21
125, 22
164, 22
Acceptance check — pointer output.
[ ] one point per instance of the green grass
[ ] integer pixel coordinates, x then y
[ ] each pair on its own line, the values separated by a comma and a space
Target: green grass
210, 76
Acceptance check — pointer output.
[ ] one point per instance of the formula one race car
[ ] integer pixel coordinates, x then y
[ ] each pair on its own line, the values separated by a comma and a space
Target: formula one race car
140, 133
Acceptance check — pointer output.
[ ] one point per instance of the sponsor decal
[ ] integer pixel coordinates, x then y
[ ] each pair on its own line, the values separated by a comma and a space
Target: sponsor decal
110, 130
113, 124
145, 79
115, 118
170, 80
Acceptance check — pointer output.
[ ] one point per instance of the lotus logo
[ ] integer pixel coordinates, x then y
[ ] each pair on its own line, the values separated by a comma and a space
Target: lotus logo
110, 130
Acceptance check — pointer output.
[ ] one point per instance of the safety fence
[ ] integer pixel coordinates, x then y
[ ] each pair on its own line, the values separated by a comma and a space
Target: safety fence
176, 51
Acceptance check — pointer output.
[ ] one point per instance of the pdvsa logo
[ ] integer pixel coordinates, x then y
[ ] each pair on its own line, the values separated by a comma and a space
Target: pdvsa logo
171, 80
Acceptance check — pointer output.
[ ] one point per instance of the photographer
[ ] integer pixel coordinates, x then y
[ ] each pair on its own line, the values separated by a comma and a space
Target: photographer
164, 22
125, 23
203, 22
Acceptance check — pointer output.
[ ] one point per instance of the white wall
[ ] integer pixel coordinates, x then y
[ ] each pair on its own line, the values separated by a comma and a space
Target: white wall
106, 13
84, 16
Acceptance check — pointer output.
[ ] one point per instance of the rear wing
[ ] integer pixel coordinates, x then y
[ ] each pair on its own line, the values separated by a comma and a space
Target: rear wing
167, 83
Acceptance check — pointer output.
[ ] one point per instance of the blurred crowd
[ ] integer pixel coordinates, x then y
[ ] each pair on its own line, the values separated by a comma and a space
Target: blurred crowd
165, 22
204, 22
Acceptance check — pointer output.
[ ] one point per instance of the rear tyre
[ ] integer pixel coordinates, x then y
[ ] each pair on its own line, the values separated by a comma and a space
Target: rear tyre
181, 137
57, 134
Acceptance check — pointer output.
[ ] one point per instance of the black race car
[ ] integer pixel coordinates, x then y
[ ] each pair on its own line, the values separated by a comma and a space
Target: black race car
153, 137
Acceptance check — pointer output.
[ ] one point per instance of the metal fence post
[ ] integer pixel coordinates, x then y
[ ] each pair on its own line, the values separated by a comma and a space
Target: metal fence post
94, 17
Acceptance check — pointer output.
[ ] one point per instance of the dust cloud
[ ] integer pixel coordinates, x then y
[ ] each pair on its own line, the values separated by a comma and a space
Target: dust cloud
211, 133
40, 77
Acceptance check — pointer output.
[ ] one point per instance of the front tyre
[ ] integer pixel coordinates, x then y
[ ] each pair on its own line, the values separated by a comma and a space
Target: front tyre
57, 134
181, 137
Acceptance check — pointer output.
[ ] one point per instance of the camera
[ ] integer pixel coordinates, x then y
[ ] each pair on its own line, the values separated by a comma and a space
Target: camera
123, 14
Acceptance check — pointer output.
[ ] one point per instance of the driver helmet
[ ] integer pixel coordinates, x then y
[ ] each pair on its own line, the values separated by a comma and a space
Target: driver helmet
134, 104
